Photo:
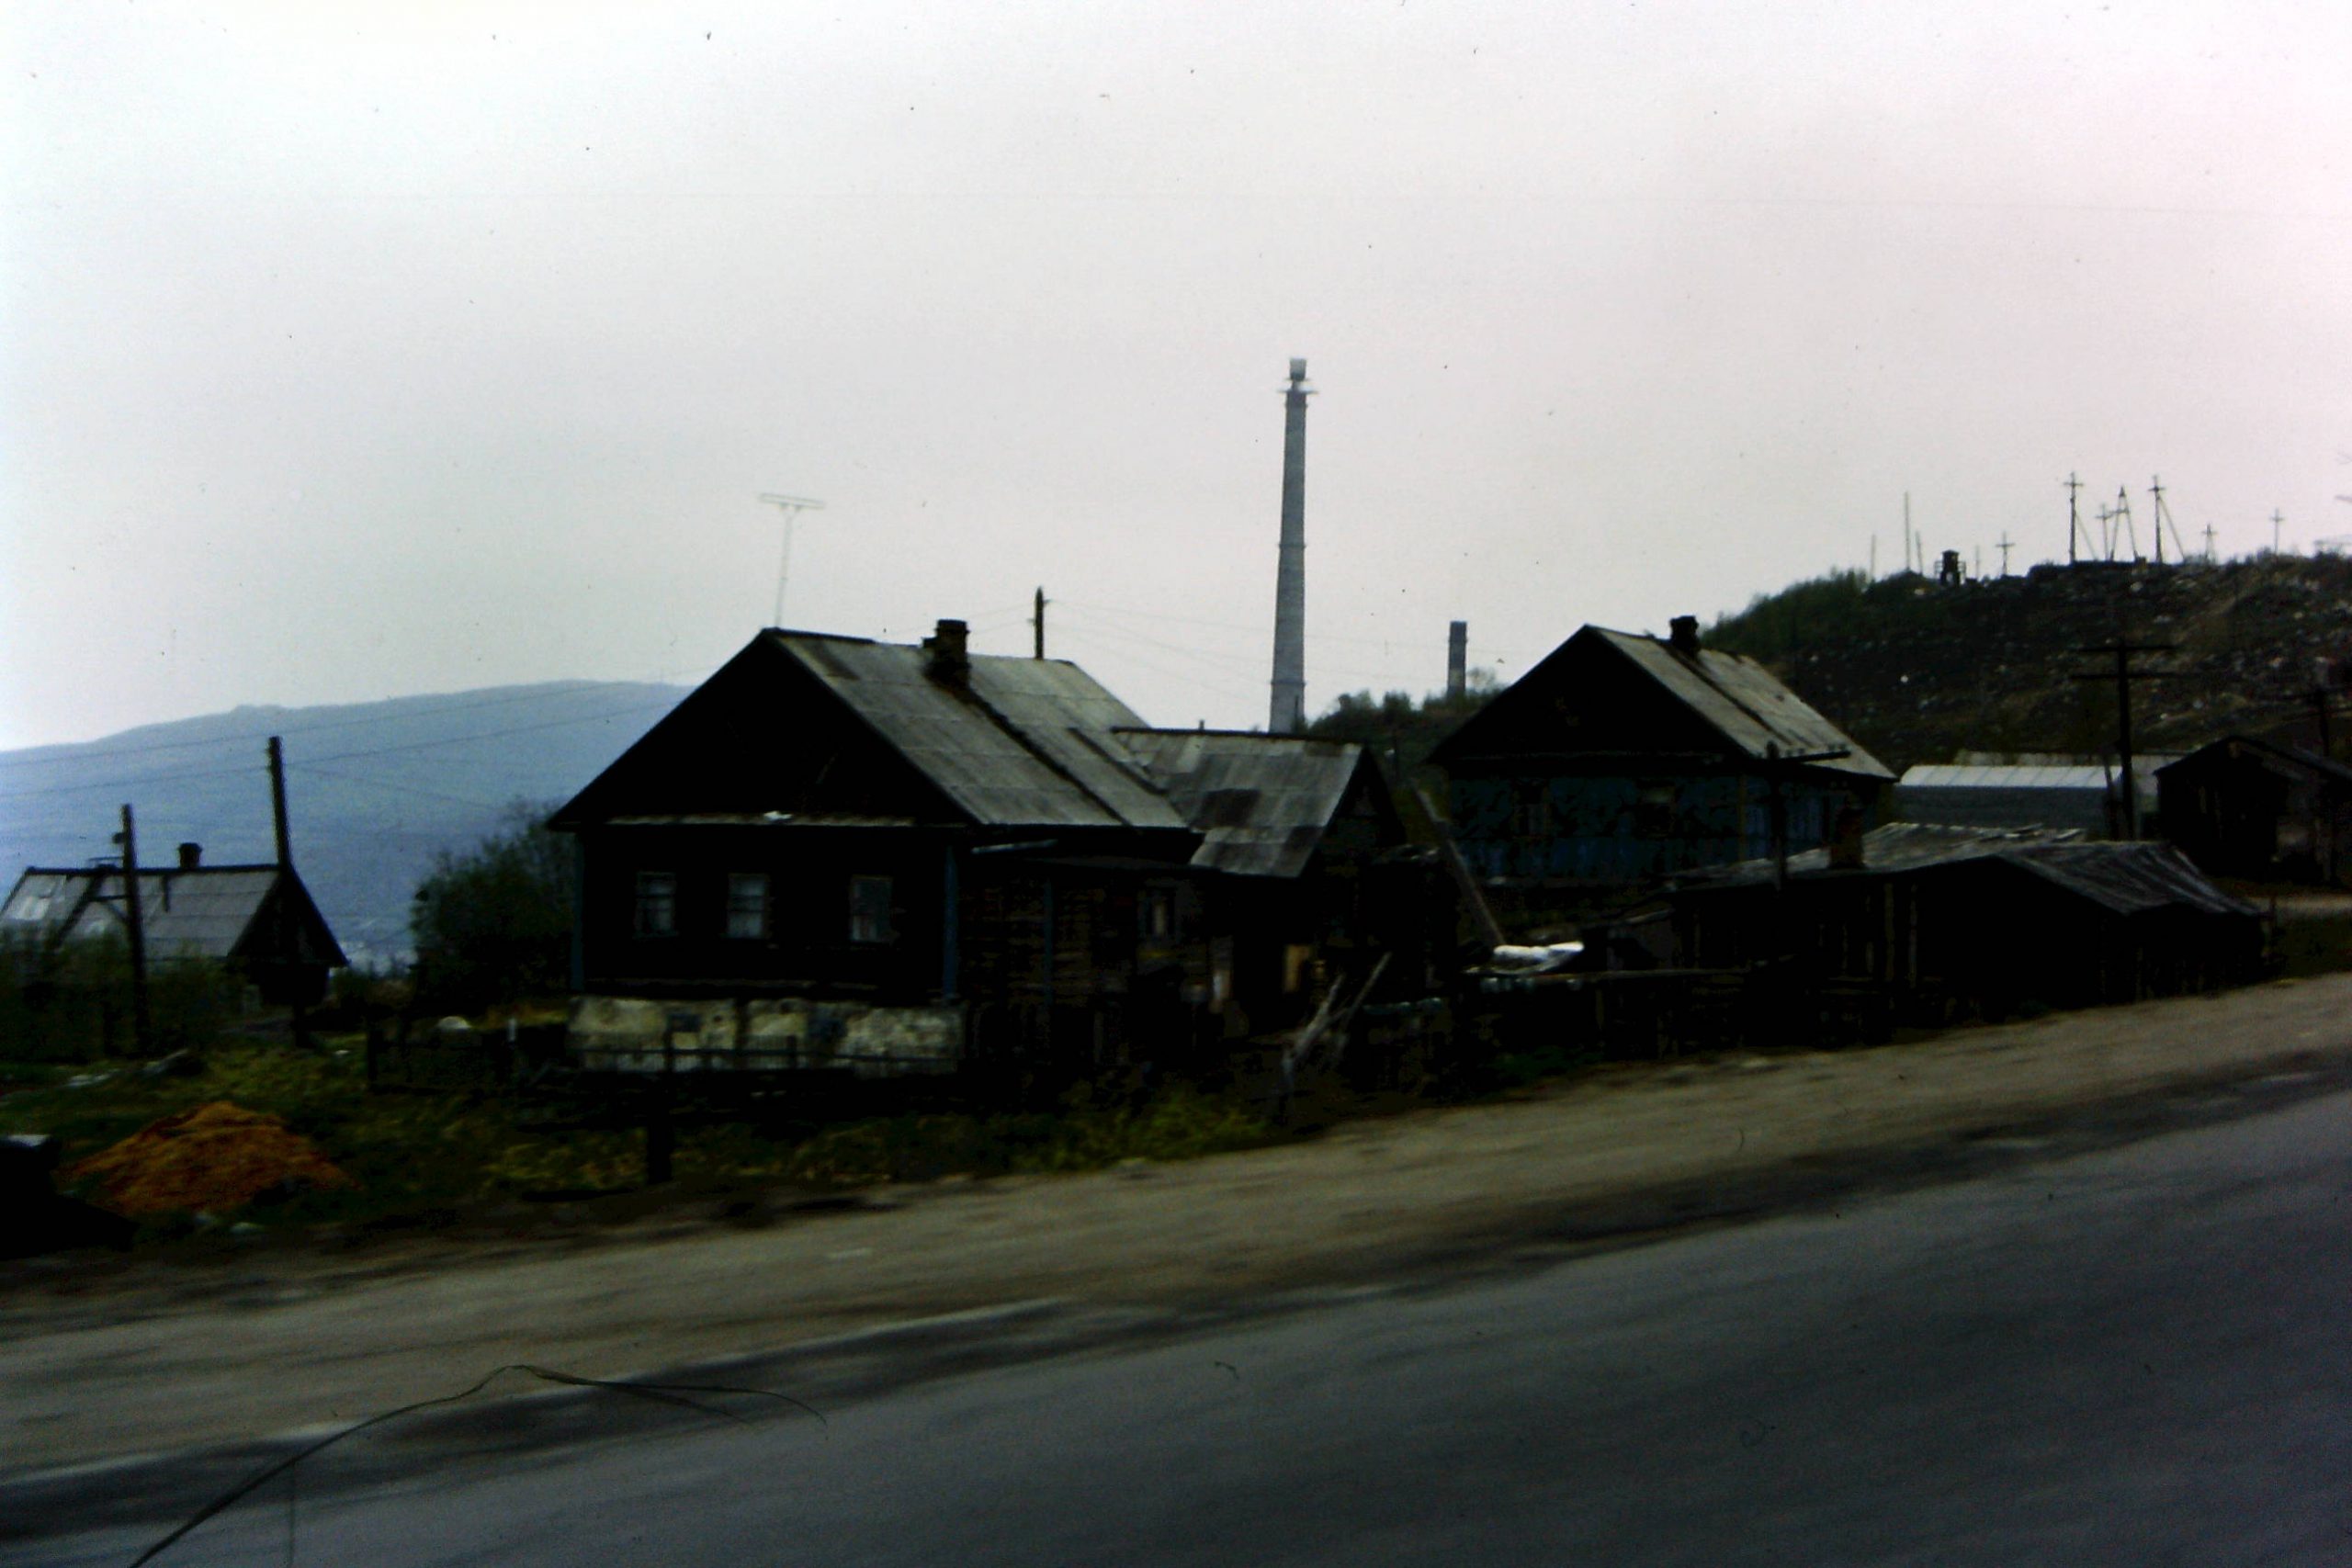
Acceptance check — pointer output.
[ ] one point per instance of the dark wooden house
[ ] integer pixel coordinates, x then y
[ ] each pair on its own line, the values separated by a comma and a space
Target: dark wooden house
852, 854
1624, 757
2261, 809
257, 921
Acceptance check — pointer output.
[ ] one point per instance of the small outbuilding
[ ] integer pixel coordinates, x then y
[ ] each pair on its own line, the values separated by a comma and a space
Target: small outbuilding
258, 921
2261, 809
1941, 920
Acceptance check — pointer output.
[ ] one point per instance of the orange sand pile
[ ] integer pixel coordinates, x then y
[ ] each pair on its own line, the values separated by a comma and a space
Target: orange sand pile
215, 1158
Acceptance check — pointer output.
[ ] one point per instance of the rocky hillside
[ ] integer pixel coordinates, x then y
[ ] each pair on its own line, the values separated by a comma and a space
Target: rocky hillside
1916, 671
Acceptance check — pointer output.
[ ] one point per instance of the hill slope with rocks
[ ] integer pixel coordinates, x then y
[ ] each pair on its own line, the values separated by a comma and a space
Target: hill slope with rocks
1918, 670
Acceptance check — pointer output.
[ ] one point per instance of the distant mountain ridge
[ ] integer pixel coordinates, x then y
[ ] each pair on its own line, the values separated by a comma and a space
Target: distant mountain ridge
375, 790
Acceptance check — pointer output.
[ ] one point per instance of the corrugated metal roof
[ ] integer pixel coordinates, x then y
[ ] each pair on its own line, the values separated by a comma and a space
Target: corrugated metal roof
2129, 878
1024, 742
2042, 775
1740, 698
1261, 801
201, 913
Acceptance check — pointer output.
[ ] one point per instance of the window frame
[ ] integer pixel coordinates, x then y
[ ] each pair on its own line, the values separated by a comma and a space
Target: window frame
655, 891
759, 905
872, 923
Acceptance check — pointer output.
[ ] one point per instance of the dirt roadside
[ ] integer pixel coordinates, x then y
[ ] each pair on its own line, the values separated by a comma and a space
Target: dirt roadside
108, 1363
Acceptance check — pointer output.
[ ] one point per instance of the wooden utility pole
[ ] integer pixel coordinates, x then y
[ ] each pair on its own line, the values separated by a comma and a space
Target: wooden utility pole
1776, 768
2277, 517
2006, 545
1038, 623
288, 937
2122, 649
2073, 516
134, 920
2209, 544
277, 804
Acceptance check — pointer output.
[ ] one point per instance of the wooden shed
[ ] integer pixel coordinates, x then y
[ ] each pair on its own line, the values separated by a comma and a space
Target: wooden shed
2261, 809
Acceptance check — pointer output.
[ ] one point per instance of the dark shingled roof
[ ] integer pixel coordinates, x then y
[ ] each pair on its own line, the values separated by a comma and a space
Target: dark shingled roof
1743, 701
1037, 743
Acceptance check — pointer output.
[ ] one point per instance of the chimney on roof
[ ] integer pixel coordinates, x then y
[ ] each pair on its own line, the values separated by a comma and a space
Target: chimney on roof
191, 856
1457, 660
1682, 636
950, 657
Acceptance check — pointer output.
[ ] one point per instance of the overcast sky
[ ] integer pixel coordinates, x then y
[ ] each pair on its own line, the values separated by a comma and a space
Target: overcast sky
362, 350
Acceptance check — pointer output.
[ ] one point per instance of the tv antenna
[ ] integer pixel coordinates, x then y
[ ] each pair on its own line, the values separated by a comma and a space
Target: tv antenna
791, 506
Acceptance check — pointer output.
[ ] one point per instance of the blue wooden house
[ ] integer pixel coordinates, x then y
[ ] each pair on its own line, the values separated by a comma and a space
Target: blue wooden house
1623, 758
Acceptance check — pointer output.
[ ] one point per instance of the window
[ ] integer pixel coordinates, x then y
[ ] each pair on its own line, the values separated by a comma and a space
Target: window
657, 903
747, 905
869, 908
1156, 914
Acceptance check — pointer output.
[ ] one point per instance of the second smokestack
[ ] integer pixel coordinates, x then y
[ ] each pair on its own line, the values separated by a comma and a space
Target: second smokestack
1287, 715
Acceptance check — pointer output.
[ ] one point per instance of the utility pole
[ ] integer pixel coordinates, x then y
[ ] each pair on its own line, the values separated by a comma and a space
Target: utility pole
2124, 515
2073, 517
134, 922
277, 804
1776, 768
2123, 649
1037, 624
2277, 517
2209, 544
288, 937
2163, 520
791, 506
2005, 543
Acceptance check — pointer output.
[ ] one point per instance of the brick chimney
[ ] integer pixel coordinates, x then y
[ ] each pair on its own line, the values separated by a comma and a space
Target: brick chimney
1682, 636
191, 856
949, 656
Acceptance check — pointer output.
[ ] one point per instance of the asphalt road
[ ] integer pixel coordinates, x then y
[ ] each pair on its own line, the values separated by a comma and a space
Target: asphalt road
2139, 1356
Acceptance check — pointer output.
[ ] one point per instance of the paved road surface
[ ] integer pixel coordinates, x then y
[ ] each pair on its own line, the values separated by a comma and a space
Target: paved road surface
2141, 1355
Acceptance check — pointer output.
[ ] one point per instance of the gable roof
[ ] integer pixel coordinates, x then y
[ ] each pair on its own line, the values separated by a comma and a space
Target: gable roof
1262, 802
1021, 743
1037, 743
199, 912
1742, 701
1734, 697
2278, 750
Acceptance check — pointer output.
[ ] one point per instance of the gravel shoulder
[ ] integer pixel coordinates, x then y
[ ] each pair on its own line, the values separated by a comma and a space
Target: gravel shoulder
100, 1364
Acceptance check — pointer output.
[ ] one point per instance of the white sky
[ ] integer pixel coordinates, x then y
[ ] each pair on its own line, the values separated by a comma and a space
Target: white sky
355, 350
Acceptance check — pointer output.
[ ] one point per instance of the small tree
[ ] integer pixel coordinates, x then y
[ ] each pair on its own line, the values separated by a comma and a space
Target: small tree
494, 924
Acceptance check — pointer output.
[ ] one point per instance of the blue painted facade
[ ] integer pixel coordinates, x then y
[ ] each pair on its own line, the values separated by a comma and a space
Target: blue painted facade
1581, 828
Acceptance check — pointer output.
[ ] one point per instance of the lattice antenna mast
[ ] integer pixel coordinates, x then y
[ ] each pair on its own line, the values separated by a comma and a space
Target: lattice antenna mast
2163, 520
2123, 516
791, 506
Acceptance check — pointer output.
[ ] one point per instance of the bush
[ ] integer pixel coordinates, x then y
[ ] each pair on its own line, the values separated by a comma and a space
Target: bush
494, 924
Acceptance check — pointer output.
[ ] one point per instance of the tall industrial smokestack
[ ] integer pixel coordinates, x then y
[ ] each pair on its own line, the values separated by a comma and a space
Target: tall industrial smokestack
1288, 714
